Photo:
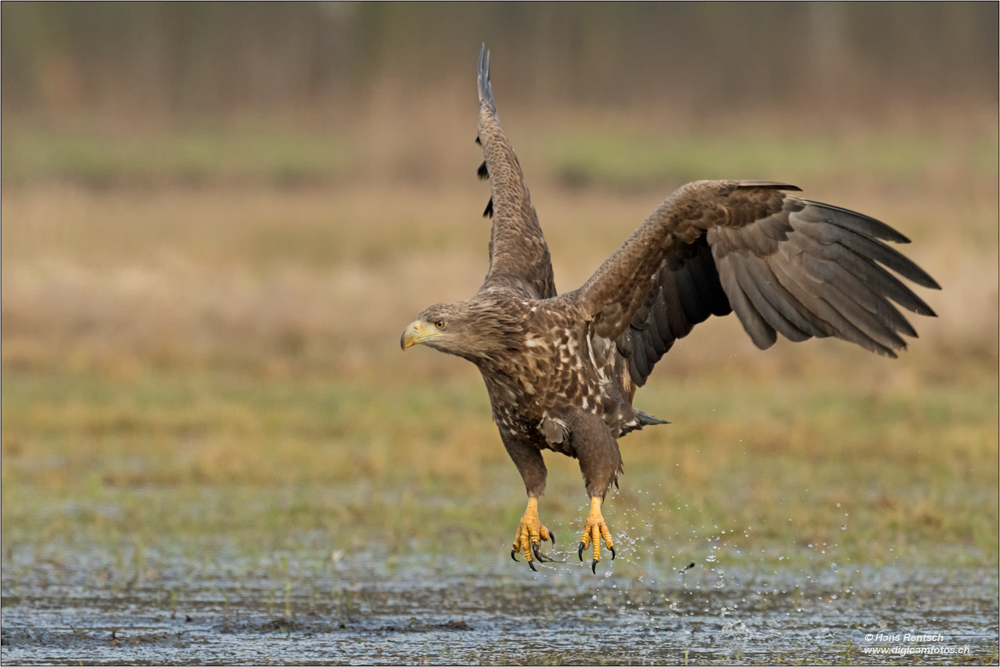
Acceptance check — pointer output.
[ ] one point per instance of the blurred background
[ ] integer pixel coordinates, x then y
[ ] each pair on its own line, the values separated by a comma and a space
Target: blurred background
218, 217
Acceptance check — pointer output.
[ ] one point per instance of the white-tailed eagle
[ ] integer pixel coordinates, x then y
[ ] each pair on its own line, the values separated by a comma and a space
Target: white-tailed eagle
562, 369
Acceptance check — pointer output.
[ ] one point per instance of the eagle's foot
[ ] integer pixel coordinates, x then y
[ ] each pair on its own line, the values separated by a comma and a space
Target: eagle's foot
593, 532
529, 536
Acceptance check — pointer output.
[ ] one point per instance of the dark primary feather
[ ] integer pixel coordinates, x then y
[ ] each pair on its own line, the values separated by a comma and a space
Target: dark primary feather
485, 89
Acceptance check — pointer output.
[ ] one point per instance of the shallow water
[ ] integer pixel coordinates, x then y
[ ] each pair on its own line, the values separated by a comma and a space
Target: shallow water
367, 609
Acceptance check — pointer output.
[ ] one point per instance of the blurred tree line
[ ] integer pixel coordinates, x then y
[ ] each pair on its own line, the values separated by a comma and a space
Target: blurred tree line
186, 62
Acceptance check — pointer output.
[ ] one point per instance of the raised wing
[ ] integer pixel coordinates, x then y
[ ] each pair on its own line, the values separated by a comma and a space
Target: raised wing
519, 257
785, 264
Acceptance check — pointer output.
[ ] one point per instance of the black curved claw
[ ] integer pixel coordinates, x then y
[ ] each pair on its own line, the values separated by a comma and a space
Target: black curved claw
513, 555
579, 551
612, 552
593, 566
532, 566
553, 537
538, 556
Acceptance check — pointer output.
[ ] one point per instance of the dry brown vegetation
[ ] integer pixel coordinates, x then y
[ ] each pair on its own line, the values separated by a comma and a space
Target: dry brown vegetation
317, 282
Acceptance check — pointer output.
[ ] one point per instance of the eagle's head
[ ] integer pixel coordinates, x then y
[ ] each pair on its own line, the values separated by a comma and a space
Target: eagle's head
471, 329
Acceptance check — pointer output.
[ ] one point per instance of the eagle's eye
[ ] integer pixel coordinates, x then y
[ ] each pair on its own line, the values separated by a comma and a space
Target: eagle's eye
439, 324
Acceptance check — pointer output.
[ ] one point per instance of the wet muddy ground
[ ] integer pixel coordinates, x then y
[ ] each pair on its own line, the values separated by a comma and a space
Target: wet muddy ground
365, 609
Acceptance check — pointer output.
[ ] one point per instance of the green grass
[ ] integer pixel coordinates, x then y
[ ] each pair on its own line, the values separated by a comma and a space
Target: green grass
191, 157
794, 473
625, 160
612, 158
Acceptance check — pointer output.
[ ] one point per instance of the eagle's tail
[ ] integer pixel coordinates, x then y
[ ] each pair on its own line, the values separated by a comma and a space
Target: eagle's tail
648, 419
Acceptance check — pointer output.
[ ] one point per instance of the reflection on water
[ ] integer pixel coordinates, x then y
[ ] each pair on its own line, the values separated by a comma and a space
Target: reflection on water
368, 609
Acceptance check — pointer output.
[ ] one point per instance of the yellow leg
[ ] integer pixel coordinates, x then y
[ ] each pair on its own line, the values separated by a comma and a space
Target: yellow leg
529, 535
593, 531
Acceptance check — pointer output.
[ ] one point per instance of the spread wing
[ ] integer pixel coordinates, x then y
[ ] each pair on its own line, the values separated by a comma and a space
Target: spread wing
519, 257
785, 264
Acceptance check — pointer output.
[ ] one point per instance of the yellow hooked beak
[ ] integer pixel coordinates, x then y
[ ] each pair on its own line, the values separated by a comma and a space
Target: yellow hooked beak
417, 332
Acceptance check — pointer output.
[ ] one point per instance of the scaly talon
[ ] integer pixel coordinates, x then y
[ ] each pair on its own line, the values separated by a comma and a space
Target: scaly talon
529, 536
594, 531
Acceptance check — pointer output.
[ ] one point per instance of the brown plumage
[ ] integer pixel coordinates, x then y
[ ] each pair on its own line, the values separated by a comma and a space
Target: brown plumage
562, 370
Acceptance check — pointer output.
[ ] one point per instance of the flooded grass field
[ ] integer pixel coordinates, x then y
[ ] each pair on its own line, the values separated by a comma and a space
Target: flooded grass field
375, 609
